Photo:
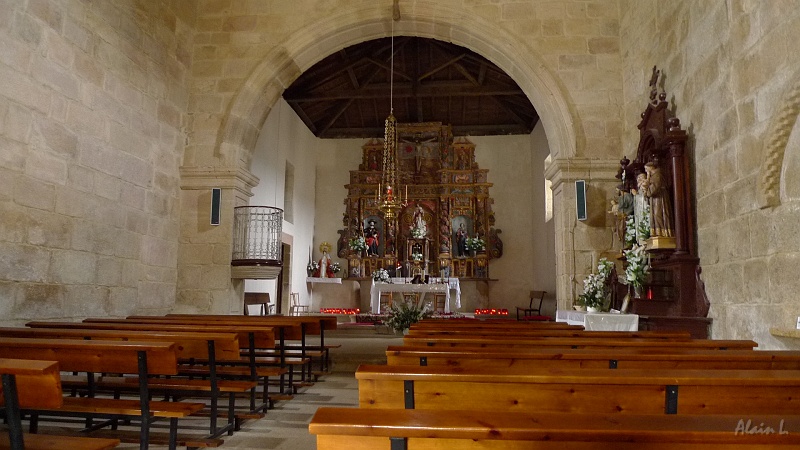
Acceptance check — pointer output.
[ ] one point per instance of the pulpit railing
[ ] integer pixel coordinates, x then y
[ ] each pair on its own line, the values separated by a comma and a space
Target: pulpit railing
257, 235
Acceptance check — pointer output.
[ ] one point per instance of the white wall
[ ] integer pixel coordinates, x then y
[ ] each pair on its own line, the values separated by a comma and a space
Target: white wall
284, 138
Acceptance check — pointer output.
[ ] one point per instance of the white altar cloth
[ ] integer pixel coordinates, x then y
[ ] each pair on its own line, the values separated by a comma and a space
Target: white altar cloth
400, 285
599, 321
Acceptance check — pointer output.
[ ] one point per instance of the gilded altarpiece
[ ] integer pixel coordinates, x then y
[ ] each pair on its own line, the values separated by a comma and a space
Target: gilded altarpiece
439, 180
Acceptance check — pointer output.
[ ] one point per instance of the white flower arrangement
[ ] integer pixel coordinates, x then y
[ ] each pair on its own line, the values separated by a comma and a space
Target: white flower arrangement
312, 265
358, 244
594, 286
402, 315
475, 243
637, 266
335, 267
416, 256
418, 233
380, 276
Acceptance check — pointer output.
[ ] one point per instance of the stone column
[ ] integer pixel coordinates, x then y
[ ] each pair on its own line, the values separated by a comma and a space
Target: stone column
580, 244
204, 255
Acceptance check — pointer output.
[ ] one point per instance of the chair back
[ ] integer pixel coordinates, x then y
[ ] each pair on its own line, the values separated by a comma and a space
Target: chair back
537, 295
256, 303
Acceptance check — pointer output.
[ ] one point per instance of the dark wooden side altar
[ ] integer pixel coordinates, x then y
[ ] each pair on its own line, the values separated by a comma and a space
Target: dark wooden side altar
673, 296
439, 181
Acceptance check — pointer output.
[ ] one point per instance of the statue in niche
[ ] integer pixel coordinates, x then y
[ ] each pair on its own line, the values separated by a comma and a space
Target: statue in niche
657, 193
419, 229
461, 240
372, 236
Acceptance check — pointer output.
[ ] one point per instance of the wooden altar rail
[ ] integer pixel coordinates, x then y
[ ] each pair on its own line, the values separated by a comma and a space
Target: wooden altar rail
37, 384
596, 391
570, 342
401, 429
593, 358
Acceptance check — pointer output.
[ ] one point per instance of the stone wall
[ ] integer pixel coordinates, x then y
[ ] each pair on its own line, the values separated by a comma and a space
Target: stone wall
93, 101
565, 56
730, 68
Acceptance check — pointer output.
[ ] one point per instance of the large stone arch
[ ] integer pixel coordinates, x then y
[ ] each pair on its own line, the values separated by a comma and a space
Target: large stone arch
781, 126
309, 45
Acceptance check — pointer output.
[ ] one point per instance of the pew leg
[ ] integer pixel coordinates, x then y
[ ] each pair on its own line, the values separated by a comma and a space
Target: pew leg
173, 433
231, 413
34, 426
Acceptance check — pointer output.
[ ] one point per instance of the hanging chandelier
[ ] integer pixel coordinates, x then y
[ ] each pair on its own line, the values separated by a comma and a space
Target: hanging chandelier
389, 199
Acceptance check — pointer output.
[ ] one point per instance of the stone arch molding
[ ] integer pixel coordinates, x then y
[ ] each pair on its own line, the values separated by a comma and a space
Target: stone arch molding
774, 150
356, 24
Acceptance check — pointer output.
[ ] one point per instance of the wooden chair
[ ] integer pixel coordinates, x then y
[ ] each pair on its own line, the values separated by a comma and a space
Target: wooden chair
256, 303
529, 311
295, 307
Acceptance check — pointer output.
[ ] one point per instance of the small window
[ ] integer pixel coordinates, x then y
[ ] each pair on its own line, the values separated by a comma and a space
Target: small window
288, 193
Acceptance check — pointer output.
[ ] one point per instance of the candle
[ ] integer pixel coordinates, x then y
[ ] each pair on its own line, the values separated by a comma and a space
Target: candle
406, 193
389, 193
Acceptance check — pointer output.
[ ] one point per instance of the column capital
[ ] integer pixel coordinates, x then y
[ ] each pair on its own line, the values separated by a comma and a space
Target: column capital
240, 180
565, 170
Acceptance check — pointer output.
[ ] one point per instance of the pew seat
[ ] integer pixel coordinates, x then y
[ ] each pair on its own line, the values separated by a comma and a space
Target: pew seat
400, 429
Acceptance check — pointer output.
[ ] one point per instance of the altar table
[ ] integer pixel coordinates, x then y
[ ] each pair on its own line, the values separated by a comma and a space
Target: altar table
597, 321
400, 285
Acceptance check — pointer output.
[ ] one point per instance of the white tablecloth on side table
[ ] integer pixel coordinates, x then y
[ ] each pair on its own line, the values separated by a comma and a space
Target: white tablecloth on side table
422, 289
599, 321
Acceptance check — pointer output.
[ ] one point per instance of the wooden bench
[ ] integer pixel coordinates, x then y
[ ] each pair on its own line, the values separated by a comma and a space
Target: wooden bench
189, 345
250, 339
617, 358
400, 429
37, 384
126, 357
287, 329
629, 391
495, 323
674, 335
528, 342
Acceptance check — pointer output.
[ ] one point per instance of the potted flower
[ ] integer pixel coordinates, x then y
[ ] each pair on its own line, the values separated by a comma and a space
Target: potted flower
358, 244
402, 315
418, 233
595, 287
636, 268
476, 244
312, 268
380, 276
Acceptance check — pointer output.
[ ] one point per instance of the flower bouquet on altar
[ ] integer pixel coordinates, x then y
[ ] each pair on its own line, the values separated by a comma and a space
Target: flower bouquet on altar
380, 276
358, 244
475, 244
636, 268
416, 256
595, 287
418, 233
312, 268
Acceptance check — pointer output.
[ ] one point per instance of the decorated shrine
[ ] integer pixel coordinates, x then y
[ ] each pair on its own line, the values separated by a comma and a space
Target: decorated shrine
445, 225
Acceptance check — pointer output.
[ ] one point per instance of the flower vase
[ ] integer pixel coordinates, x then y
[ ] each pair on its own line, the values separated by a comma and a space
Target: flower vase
637, 291
592, 309
310, 272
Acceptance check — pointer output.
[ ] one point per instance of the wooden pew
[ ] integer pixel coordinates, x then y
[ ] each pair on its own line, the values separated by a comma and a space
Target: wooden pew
528, 342
673, 335
213, 347
593, 358
36, 384
127, 357
313, 325
494, 323
287, 329
629, 391
396, 429
250, 338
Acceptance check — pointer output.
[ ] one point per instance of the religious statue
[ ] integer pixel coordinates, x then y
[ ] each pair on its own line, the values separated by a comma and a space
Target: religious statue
371, 236
657, 192
419, 229
621, 208
325, 269
640, 208
461, 240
